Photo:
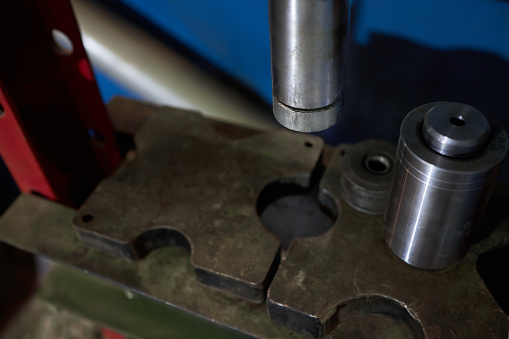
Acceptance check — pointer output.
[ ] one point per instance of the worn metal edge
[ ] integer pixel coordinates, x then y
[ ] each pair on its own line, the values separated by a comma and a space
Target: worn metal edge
123, 310
34, 213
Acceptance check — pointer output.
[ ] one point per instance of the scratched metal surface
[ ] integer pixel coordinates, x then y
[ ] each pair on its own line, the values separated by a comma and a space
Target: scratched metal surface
346, 276
350, 271
189, 186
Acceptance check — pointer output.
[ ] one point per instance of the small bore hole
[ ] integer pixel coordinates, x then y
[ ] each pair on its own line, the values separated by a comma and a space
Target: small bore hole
457, 121
343, 152
2, 111
377, 164
308, 144
87, 218
63, 43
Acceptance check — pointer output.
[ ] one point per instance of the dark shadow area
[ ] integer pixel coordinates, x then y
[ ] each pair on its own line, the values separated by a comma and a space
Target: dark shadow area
291, 211
8, 189
17, 267
375, 317
373, 326
495, 213
17, 281
391, 76
156, 238
492, 267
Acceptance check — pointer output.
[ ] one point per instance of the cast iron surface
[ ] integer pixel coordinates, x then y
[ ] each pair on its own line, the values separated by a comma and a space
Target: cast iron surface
190, 186
44, 227
346, 276
446, 303
165, 275
350, 271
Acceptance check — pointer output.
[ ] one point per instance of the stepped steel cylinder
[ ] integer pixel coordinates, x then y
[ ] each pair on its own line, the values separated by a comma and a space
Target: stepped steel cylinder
447, 161
308, 51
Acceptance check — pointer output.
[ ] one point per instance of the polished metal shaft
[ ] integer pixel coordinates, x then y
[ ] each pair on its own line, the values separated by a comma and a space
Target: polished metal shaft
446, 165
308, 51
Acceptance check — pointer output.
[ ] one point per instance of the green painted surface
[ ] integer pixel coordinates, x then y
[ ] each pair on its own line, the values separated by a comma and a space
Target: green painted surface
123, 310
166, 275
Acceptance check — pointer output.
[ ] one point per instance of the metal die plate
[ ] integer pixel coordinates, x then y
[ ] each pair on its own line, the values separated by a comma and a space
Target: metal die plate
189, 186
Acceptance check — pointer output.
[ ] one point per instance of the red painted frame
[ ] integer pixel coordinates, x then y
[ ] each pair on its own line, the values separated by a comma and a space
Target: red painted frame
55, 134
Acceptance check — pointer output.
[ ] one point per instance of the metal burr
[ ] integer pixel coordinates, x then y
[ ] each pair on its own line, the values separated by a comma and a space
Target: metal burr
308, 51
446, 165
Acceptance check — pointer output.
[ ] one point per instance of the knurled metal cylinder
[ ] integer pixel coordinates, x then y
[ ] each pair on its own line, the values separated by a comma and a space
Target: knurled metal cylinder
308, 51
447, 161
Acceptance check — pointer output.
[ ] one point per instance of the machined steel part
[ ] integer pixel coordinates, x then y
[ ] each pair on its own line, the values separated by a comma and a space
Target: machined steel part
447, 162
455, 130
349, 272
308, 51
366, 175
344, 276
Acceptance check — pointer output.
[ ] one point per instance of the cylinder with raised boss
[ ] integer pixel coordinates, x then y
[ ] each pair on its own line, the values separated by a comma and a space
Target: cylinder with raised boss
447, 161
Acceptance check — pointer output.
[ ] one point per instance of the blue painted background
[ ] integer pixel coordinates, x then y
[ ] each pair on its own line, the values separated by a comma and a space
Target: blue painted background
234, 34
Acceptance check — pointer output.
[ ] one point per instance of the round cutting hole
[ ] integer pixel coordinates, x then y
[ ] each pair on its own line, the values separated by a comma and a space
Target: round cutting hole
375, 316
457, 121
87, 218
63, 43
377, 163
308, 144
290, 211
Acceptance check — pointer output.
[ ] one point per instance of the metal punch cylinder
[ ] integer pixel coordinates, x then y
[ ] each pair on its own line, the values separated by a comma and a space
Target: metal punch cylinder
308, 51
447, 161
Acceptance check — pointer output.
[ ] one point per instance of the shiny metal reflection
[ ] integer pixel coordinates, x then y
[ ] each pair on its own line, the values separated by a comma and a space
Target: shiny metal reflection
308, 51
455, 130
437, 201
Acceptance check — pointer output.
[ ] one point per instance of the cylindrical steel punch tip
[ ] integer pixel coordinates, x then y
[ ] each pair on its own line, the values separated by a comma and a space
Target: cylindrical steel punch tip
308, 51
